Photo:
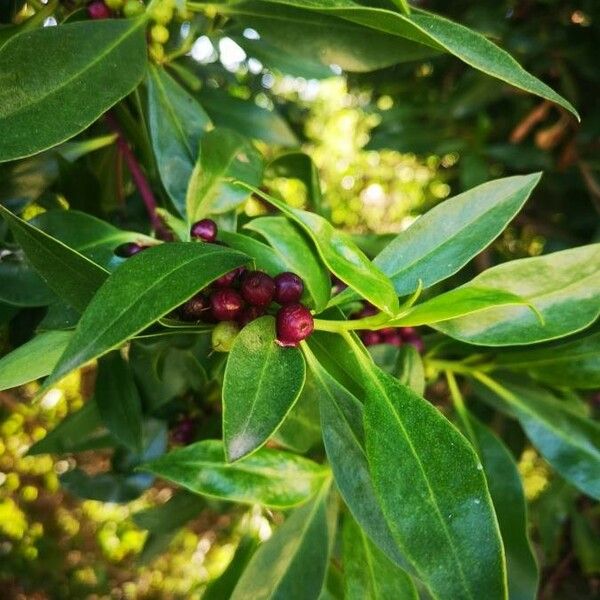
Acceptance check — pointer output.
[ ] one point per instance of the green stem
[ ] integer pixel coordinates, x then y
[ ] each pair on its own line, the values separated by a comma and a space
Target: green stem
460, 406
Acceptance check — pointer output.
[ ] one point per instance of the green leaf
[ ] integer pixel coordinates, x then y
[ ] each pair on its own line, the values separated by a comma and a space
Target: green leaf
438, 33
507, 494
176, 122
563, 287
341, 255
170, 516
79, 431
118, 400
105, 487
293, 562
269, 477
21, 284
225, 156
585, 543
343, 436
575, 362
246, 118
467, 300
58, 80
433, 493
143, 289
298, 255
261, 384
409, 369
368, 573
265, 258
569, 441
92, 237
34, 359
69, 274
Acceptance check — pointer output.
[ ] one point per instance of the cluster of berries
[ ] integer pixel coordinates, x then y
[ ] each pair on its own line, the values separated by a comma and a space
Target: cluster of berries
104, 9
397, 336
240, 296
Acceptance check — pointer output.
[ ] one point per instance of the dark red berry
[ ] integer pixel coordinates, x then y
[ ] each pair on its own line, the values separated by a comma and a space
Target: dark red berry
258, 288
370, 338
417, 342
98, 10
183, 431
195, 309
226, 304
368, 310
391, 337
205, 229
293, 323
249, 314
407, 333
230, 278
128, 249
288, 288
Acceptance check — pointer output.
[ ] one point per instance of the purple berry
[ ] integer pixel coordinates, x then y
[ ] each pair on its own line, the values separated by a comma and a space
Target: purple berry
98, 10
195, 309
230, 278
128, 249
370, 338
391, 337
258, 288
226, 304
293, 323
407, 333
368, 310
250, 313
288, 288
183, 431
417, 342
205, 230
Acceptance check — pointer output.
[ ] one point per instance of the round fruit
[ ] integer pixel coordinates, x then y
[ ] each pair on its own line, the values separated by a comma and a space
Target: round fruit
133, 8
294, 323
157, 52
159, 34
370, 338
205, 230
258, 288
288, 288
98, 10
127, 249
223, 336
249, 314
162, 14
195, 308
230, 278
226, 304
114, 4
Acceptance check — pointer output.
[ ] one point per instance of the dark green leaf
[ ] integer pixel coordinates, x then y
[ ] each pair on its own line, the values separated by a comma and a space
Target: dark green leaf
105, 487
299, 257
171, 515
146, 287
118, 400
176, 122
293, 562
265, 258
564, 287
69, 274
225, 156
58, 80
21, 285
33, 359
368, 573
268, 477
261, 384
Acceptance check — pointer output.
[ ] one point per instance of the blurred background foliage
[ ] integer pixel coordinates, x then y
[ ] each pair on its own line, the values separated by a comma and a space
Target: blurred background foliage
389, 144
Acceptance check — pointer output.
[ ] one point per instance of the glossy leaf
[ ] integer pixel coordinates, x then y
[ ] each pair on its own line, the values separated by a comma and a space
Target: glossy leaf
507, 494
246, 118
176, 122
21, 284
261, 384
69, 274
575, 363
343, 436
146, 287
295, 251
34, 359
58, 80
118, 400
569, 441
368, 573
293, 562
433, 493
341, 255
269, 477
563, 286
225, 156
265, 258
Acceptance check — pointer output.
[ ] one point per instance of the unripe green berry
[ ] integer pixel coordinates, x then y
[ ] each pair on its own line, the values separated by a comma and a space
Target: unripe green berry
223, 336
133, 8
159, 34
114, 4
162, 14
157, 52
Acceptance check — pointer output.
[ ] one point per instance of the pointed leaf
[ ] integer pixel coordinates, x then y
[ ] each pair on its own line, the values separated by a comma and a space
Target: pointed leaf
176, 122
261, 384
69, 274
145, 288
269, 477
58, 80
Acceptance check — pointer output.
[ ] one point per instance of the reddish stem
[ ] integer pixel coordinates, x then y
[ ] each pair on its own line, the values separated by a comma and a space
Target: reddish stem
137, 175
